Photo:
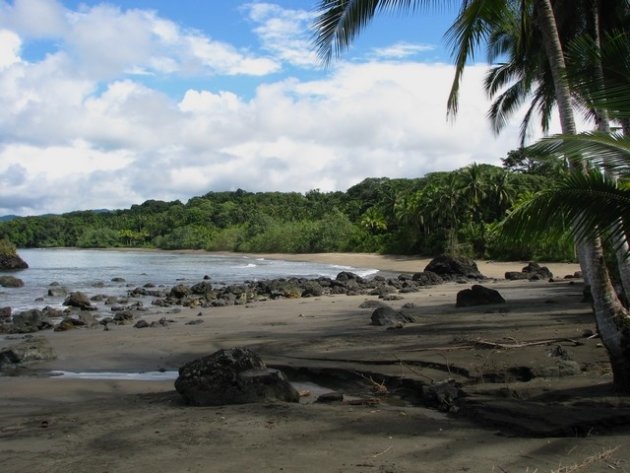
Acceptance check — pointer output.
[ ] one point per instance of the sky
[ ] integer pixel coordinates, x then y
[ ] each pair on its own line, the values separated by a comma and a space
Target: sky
107, 104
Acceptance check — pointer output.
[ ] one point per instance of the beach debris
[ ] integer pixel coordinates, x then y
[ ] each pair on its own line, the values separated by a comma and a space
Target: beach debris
232, 376
478, 295
386, 316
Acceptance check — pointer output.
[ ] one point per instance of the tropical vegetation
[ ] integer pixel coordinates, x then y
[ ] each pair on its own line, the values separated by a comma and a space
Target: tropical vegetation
454, 212
556, 55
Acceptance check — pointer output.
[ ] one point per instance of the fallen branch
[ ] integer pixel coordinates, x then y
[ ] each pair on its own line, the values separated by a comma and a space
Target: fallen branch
605, 455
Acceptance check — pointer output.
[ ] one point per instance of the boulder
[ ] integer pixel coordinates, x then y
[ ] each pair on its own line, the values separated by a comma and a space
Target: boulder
78, 299
388, 316
10, 281
57, 291
30, 321
179, 291
5, 312
233, 376
427, 278
533, 271
478, 295
451, 268
31, 349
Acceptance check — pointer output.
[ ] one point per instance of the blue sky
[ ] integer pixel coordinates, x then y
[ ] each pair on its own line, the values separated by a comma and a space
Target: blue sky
105, 105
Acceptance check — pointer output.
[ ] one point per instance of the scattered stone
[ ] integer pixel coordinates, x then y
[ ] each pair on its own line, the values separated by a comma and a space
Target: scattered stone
194, 322
141, 324
532, 272
11, 281
78, 299
57, 291
478, 295
5, 312
123, 317
386, 316
30, 321
180, 291
372, 304
29, 350
233, 376
442, 395
118, 279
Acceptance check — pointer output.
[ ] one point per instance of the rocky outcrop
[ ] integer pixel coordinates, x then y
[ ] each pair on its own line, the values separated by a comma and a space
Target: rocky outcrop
478, 295
10, 260
234, 376
452, 268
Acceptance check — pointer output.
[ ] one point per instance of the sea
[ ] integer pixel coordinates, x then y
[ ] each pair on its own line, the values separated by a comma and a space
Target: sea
93, 272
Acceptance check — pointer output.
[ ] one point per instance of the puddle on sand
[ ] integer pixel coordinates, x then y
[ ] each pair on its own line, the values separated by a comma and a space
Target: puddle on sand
116, 375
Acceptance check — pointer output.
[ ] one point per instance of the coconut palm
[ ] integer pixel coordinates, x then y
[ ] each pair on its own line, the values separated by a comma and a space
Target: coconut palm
341, 20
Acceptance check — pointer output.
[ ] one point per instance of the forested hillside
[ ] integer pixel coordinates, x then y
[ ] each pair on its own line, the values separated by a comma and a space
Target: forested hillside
453, 212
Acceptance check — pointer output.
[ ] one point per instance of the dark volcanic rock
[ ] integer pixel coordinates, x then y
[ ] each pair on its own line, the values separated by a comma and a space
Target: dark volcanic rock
533, 271
10, 281
234, 376
5, 312
451, 268
57, 291
31, 349
478, 295
30, 321
388, 316
427, 278
78, 299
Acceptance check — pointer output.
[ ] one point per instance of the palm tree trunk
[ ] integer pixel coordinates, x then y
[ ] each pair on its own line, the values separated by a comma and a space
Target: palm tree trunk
613, 322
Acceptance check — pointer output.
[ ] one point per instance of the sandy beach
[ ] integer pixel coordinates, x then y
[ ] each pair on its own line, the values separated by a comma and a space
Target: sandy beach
523, 407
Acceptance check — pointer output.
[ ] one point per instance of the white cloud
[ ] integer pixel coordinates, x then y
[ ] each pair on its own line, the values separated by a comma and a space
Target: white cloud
284, 32
10, 45
34, 18
402, 50
376, 119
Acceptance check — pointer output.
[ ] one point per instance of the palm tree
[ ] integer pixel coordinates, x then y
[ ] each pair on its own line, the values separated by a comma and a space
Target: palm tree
341, 20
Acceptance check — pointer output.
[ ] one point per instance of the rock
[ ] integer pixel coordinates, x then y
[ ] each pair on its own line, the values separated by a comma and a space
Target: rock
427, 278
57, 291
10, 281
179, 291
233, 376
533, 272
30, 321
478, 295
194, 322
372, 304
537, 271
141, 324
78, 299
123, 317
31, 349
118, 279
348, 276
330, 397
11, 260
450, 268
5, 312
388, 316
442, 395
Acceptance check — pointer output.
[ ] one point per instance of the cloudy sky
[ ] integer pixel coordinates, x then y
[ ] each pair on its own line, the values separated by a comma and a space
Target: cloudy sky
105, 105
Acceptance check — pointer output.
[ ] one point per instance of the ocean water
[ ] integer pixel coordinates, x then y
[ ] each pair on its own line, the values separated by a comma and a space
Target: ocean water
92, 271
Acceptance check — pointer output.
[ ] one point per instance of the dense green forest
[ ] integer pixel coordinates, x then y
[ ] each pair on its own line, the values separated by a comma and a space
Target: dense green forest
456, 212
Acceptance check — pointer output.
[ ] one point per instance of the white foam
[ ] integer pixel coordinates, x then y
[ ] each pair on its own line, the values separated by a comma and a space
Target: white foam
116, 375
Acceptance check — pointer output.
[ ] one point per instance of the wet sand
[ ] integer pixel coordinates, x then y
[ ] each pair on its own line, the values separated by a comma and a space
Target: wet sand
518, 414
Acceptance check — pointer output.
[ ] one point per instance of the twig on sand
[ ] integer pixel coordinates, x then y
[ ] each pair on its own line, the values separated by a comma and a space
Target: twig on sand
603, 456
506, 346
383, 452
416, 372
